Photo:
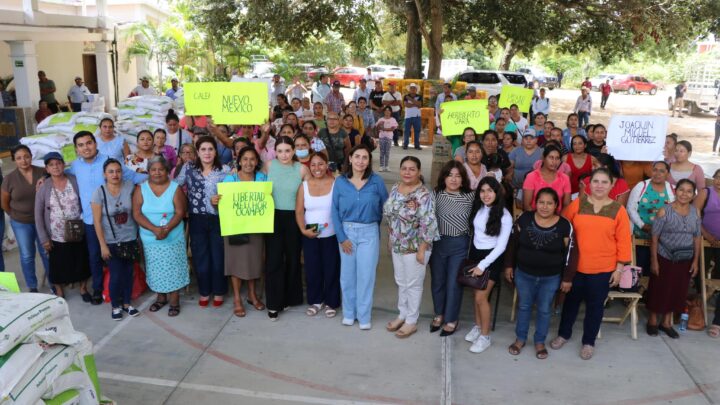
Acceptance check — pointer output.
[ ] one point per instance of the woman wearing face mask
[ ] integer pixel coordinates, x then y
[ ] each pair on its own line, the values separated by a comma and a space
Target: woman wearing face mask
138, 161
313, 214
244, 259
206, 244
547, 176
602, 229
109, 143
412, 228
302, 150
283, 283
683, 168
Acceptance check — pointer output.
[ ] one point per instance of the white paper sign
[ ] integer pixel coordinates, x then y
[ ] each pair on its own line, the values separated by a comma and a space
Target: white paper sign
637, 137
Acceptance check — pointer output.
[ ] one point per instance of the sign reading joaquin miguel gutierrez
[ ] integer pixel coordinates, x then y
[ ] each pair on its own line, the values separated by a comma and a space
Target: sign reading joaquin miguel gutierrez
637, 137
242, 103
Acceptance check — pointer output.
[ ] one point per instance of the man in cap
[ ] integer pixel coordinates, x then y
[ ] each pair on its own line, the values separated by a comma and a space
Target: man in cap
362, 91
393, 98
143, 89
77, 94
174, 89
472, 94
413, 103
335, 101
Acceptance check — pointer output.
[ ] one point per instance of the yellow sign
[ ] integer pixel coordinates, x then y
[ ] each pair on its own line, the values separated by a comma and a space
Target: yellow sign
246, 207
68, 153
516, 95
243, 103
8, 282
458, 115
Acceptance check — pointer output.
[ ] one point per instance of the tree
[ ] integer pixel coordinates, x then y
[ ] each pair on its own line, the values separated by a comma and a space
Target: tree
149, 40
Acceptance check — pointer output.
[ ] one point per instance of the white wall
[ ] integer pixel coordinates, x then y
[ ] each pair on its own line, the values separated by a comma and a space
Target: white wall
61, 61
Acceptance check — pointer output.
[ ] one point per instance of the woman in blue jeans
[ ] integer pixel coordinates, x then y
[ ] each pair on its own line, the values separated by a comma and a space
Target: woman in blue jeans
540, 258
453, 203
18, 200
357, 208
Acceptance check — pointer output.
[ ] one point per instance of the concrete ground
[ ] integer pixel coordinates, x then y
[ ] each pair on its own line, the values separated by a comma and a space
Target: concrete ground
209, 355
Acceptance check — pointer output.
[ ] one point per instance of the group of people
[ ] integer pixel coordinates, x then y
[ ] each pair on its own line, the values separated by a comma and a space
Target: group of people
574, 238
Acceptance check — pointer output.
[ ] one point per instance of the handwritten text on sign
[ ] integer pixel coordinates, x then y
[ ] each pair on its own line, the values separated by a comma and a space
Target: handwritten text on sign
228, 102
458, 115
637, 137
246, 207
510, 95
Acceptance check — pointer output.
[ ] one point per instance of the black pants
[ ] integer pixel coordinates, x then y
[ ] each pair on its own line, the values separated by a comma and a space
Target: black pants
603, 100
53, 107
283, 276
76, 107
716, 320
396, 132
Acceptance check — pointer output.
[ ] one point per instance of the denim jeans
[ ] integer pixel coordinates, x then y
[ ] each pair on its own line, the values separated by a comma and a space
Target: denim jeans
322, 270
27, 240
95, 259
448, 254
414, 123
121, 278
539, 291
583, 118
593, 289
207, 249
357, 271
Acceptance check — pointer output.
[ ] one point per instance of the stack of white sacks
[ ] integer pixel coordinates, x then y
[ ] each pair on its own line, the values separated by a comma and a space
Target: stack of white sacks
43, 359
141, 112
94, 103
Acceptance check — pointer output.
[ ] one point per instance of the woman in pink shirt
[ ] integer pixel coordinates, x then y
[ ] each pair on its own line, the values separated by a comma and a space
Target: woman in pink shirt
547, 176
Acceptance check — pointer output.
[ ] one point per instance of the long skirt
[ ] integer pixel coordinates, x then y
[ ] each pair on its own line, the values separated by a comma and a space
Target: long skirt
668, 292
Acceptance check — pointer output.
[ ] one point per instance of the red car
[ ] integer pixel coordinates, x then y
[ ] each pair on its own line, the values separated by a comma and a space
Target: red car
633, 84
349, 76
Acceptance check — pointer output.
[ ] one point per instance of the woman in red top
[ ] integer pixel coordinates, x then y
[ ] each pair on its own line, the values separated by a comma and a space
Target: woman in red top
580, 162
620, 190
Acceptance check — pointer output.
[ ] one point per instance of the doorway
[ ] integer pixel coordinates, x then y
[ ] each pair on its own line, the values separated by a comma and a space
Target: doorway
90, 72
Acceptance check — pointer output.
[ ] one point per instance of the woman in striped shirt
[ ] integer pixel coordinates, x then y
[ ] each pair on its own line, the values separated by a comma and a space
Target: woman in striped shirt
453, 202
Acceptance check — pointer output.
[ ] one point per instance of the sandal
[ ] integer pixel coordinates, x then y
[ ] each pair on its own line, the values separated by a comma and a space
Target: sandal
239, 310
174, 310
714, 331
541, 354
258, 305
157, 305
558, 343
515, 348
406, 330
330, 312
436, 323
586, 352
393, 326
314, 309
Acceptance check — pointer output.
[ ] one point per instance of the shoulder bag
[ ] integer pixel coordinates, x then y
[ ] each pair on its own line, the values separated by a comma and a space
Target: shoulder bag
465, 276
74, 228
129, 250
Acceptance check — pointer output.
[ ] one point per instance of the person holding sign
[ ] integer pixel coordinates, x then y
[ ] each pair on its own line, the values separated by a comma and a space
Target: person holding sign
682, 168
244, 253
206, 244
283, 276
357, 206
159, 207
313, 214
412, 228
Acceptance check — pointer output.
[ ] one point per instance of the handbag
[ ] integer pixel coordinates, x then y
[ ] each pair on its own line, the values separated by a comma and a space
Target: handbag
123, 250
630, 278
238, 240
74, 228
466, 278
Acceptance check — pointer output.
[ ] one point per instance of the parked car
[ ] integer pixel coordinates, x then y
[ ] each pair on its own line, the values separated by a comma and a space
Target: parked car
492, 81
601, 78
633, 84
348, 76
543, 78
380, 72
314, 74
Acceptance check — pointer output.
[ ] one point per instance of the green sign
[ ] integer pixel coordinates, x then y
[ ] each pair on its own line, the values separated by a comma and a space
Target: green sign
510, 95
19, 63
246, 207
455, 116
68, 153
243, 103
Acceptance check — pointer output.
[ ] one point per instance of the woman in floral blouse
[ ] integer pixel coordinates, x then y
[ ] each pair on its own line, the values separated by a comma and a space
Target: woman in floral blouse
412, 227
206, 244
138, 161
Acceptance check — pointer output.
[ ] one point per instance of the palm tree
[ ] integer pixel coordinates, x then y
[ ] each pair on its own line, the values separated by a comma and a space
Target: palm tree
151, 41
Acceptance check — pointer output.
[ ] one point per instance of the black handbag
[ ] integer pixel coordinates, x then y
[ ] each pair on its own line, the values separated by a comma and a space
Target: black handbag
129, 250
467, 279
74, 228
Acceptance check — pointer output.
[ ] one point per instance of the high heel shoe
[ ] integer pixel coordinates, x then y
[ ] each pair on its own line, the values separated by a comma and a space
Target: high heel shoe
449, 332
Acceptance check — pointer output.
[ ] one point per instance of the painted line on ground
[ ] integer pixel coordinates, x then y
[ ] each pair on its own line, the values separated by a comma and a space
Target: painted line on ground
120, 326
446, 358
230, 391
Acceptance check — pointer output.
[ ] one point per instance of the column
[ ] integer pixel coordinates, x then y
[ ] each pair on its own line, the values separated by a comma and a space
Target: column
25, 69
106, 84
29, 9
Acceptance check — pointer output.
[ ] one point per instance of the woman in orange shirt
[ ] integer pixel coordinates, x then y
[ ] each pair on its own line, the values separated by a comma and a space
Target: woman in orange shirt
602, 227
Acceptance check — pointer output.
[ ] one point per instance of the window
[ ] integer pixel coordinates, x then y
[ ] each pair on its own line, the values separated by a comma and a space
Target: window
479, 78
515, 78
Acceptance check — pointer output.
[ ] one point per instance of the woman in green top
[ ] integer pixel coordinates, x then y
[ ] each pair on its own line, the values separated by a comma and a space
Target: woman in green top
283, 281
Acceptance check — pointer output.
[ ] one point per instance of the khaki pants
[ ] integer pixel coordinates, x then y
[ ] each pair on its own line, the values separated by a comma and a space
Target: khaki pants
679, 104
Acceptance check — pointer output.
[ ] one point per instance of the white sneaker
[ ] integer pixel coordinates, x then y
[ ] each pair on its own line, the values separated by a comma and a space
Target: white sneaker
348, 322
473, 334
481, 344
365, 326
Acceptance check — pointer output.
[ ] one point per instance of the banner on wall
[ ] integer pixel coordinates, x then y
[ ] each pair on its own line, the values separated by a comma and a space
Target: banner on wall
241, 103
637, 137
246, 207
458, 115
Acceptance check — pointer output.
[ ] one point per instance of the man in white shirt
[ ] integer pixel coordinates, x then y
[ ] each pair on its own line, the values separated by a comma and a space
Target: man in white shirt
77, 94
174, 88
541, 104
296, 90
362, 91
276, 88
321, 90
143, 89
583, 107
393, 98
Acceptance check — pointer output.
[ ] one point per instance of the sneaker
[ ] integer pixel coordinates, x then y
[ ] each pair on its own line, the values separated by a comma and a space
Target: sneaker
473, 334
117, 314
365, 326
273, 315
481, 344
131, 311
348, 322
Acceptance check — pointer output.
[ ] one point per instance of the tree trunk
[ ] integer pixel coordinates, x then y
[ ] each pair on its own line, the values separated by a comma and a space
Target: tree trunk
435, 47
509, 52
413, 44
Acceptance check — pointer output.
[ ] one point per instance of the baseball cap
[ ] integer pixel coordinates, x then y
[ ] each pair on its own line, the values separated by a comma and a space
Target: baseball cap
529, 132
392, 83
336, 83
471, 88
78, 78
413, 85
53, 155
174, 79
